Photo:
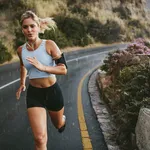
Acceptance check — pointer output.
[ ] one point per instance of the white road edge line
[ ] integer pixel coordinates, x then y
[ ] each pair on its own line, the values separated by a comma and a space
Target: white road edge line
10, 83
78, 58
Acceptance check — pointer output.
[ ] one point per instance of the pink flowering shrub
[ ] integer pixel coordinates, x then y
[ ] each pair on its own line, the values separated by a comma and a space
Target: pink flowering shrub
117, 60
138, 46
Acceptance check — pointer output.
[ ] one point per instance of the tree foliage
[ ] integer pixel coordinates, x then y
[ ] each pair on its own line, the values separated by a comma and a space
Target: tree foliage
4, 54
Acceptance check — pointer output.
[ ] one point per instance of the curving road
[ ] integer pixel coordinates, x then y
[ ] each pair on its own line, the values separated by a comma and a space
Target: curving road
15, 132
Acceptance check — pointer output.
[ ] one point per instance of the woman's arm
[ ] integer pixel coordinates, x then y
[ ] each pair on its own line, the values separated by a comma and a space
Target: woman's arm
60, 69
23, 71
55, 52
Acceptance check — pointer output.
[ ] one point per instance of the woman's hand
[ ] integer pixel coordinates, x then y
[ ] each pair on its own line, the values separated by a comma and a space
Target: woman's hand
21, 88
35, 63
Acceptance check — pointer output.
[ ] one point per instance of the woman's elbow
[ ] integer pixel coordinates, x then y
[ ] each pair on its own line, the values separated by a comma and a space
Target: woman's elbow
63, 70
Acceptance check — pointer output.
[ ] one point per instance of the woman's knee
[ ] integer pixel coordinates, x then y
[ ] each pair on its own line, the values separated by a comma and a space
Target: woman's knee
41, 139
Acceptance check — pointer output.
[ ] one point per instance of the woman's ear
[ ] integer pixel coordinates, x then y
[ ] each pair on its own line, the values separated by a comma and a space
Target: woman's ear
22, 31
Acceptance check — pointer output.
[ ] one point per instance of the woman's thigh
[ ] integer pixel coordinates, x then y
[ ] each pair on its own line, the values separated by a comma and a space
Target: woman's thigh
38, 121
54, 98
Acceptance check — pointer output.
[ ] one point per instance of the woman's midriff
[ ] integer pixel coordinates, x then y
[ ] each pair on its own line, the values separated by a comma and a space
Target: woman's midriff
43, 82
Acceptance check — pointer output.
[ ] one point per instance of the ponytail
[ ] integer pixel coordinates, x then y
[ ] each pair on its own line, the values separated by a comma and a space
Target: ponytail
47, 24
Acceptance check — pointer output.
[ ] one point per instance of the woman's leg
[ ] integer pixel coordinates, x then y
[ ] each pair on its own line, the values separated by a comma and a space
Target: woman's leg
57, 118
38, 122
55, 106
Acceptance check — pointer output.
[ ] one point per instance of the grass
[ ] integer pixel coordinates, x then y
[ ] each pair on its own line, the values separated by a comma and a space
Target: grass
50, 8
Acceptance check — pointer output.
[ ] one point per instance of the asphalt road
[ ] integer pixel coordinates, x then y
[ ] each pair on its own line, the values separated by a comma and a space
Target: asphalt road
148, 4
15, 132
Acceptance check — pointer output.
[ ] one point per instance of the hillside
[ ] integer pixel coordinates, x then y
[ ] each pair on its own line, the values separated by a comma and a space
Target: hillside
80, 22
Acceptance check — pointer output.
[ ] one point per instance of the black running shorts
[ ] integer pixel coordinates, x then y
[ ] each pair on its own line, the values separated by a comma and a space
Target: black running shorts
50, 98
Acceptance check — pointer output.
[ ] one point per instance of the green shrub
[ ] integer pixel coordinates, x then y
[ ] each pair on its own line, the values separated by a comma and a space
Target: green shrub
146, 32
94, 28
88, 39
106, 33
19, 38
79, 10
126, 74
4, 54
135, 23
4, 4
107, 63
111, 32
73, 28
57, 36
124, 12
138, 29
71, 2
147, 43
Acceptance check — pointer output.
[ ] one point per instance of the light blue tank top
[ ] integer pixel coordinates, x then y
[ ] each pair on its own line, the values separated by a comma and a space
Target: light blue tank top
42, 56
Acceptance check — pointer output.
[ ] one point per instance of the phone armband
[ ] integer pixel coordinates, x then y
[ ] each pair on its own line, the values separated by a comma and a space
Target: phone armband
61, 60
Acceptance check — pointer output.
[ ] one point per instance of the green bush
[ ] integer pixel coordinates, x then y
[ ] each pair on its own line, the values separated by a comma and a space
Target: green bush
57, 36
88, 39
147, 43
146, 32
139, 29
107, 63
126, 74
107, 33
94, 28
19, 38
124, 12
79, 10
4, 54
73, 28
111, 32
71, 2
135, 23
4, 4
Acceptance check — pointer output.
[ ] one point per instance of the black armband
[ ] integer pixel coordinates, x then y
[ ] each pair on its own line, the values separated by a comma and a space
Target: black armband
61, 60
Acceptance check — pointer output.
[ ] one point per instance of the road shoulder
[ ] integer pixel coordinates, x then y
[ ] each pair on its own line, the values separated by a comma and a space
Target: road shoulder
103, 116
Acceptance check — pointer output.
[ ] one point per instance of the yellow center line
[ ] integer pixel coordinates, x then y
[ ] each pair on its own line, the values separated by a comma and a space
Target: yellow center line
86, 141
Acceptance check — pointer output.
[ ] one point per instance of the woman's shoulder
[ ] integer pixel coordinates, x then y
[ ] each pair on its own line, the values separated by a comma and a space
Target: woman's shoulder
19, 49
51, 46
50, 42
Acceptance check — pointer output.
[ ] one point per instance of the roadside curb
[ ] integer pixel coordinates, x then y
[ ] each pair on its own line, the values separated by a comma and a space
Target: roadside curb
103, 116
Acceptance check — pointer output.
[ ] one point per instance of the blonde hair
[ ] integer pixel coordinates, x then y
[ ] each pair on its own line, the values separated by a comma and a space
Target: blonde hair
44, 23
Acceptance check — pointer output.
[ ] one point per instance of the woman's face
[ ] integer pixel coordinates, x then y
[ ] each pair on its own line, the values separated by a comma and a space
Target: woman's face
30, 29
